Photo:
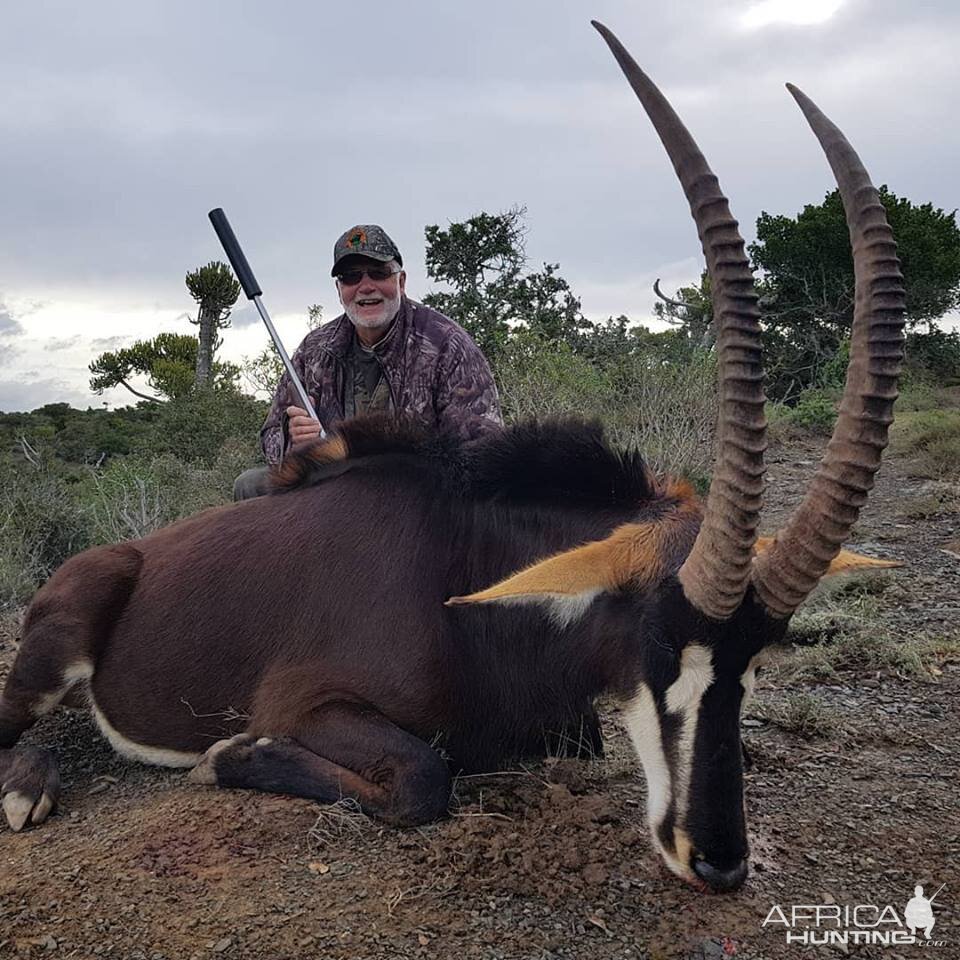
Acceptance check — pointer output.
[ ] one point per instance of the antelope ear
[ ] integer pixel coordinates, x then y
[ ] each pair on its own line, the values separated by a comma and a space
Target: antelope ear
844, 562
583, 570
632, 552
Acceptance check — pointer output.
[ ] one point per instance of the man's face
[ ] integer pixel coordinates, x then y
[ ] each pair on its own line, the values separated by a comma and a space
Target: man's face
370, 303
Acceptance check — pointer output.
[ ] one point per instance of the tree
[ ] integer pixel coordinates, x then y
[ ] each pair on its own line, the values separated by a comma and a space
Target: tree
480, 259
807, 284
168, 361
216, 291
483, 261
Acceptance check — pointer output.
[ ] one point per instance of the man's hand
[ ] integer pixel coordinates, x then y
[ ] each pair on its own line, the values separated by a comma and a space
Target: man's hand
302, 426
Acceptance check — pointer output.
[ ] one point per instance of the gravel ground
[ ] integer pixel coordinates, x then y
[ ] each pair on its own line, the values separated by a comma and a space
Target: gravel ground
547, 861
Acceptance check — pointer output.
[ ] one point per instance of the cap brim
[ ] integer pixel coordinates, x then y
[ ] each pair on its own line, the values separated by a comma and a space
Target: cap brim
380, 257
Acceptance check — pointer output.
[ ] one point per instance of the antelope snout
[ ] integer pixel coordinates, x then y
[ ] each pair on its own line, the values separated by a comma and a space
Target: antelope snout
723, 879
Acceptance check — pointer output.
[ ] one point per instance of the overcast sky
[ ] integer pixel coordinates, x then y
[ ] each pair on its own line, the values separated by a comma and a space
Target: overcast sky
122, 124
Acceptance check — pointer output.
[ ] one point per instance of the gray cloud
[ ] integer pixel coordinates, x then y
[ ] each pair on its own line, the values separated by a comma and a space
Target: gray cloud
9, 326
100, 344
24, 394
120, 132
62, 343
245, 316
476, 117
9, 353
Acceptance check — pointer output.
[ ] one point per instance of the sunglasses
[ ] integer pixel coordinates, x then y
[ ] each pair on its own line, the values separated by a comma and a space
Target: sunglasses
350, 278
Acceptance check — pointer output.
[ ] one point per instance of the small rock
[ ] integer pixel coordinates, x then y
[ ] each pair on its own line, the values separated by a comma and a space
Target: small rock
707, 950
221, 945
595, 873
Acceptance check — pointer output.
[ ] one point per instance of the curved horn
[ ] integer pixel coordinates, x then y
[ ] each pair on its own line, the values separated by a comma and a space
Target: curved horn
802, 552
716, 574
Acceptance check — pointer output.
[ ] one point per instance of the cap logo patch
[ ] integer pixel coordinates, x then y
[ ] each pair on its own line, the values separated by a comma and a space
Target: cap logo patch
357, 239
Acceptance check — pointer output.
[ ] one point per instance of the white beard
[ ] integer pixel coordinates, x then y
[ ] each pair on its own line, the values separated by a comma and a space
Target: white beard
388, 310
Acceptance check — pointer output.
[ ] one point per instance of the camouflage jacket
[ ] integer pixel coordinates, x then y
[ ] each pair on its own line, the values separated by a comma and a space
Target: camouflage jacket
433, 369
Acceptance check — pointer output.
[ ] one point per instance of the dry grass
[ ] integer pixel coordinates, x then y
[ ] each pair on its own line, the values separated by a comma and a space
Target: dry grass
806, 715
845, 630
938, 498
336, 820
931, 441
668, 412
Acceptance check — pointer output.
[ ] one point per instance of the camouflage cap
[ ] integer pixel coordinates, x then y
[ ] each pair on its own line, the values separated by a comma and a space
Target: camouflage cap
365, 240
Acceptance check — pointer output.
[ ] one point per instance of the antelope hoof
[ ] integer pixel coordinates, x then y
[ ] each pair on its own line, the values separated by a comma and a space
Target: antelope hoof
29, 786
205, 772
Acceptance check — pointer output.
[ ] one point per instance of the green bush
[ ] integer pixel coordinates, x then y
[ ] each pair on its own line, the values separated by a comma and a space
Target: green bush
934, 356
40, 525
537, 379
815, 412
834, 372
665, 410
918, 395
931, 438
195, 427
133, 496
50, 511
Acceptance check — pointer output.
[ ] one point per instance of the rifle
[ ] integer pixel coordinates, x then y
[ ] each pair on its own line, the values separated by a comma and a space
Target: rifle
252, 289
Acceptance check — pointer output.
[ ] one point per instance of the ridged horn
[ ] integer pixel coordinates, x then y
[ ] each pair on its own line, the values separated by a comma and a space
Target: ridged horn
802, 551
716, 573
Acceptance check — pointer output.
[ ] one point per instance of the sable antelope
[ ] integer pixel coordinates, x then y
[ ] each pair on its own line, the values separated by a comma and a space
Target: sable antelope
350, 614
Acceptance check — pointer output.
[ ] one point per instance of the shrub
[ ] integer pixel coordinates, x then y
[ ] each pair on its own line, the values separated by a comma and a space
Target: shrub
40, 525
666, 410
669, 412
918, 395
538, 379
934, 356
816, 411
49, 511
931, 438
814, 414
195, 427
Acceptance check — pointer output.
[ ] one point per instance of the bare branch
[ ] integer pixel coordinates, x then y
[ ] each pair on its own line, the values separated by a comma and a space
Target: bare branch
29, 452
680, 304
137, 393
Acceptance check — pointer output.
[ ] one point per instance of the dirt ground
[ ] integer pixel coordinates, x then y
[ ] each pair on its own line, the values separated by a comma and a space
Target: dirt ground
549, 861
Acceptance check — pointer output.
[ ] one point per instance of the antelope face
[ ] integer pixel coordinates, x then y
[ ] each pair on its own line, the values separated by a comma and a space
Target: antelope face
684, 721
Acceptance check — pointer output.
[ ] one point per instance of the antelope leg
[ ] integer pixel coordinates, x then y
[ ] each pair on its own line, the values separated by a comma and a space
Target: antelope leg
341, 750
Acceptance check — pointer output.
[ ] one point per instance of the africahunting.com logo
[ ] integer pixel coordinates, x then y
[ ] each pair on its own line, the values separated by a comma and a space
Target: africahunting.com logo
836, 925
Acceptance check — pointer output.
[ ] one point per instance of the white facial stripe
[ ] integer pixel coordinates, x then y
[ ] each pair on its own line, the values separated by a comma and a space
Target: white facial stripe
696, 674
684, 696
643, 725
